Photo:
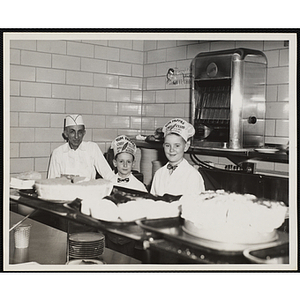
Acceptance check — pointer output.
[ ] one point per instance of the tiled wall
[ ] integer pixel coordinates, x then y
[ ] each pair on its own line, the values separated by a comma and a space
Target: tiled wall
162, 101
102, 80
119, 87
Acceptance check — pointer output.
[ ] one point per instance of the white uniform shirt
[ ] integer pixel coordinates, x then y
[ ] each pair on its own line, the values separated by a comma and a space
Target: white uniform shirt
133, 183
185, 179
83, 162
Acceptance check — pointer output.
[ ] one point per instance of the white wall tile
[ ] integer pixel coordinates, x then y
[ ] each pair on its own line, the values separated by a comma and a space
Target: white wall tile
34, 120
106, 80
116, 95
80, 49
34, 149
156, 56
33, 89
50, 75
15, 56
93, 65
31, 58
107, 53
65, 62
79, 106
132, 83
119, 68
51, 135
14, 88
79, 78
21, 135
177, 53
131, 56
93, 93
23, 44
22, 73
19, 165
21, 104
65, 91
54, 46
105, 108
50, 105
126, 44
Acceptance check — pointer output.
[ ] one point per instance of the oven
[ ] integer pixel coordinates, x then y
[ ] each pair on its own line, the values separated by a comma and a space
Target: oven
228, 98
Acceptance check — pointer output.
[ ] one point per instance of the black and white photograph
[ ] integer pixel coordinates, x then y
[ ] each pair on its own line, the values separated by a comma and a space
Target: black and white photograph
153, 151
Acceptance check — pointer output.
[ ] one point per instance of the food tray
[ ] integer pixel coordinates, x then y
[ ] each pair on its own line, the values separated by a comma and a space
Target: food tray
277, 253
172, 229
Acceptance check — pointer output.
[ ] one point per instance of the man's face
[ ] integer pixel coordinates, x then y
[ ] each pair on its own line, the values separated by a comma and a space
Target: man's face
124, 163
75, 135
175, 146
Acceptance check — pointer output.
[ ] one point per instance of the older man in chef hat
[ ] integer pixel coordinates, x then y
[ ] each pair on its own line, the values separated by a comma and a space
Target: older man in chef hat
177, 177
77, 157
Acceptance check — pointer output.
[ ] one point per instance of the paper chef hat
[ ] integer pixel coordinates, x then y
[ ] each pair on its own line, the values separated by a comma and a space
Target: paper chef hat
72, 120
179, 126
123, 144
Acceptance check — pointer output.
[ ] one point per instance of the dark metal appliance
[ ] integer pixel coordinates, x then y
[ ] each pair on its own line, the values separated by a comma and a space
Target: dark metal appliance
228, 98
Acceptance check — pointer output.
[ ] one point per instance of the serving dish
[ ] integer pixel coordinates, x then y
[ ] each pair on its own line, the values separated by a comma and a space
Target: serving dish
275, 253
266, 150
32, 193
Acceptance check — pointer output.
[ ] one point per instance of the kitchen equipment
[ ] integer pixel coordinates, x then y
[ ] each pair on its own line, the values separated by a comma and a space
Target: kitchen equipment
228, 98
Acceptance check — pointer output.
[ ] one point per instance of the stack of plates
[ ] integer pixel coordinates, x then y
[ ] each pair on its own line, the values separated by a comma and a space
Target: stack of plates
86, 245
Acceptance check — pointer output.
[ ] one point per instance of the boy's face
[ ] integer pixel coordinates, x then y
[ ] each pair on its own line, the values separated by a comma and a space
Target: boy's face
124, 163
175, 146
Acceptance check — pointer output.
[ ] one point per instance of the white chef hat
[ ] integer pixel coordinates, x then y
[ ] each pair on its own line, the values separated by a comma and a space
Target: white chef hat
179, 126
72, 120
123, 144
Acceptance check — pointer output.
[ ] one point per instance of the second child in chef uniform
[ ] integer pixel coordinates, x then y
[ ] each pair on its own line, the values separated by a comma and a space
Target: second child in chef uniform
177, 177
124, 156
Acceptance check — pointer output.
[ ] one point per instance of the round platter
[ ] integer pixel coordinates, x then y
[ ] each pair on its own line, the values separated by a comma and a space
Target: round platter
217, 240
267, 150
85, 262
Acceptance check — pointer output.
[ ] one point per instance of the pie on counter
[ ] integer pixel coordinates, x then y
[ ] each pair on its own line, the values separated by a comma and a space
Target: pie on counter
68, 188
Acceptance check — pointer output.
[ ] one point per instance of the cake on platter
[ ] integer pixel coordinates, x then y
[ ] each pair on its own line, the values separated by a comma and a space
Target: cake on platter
68, 188
138, 208
232, 218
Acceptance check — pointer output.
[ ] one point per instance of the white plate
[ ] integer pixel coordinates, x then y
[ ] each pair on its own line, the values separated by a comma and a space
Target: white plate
267, 150
86, 262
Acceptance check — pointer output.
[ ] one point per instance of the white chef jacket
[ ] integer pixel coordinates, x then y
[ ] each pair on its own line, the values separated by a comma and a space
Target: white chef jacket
84, 161
133, 183
185, 179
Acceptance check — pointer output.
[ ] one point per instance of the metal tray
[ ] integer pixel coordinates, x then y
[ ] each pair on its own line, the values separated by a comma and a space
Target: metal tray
172, 229
72, 212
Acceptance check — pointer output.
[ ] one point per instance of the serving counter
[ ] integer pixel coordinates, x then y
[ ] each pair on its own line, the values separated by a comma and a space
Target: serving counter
48, 246
160, 241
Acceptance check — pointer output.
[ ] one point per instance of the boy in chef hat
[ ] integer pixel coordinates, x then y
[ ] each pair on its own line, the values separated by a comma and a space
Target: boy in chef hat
77, 157
124, 155
177, 177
